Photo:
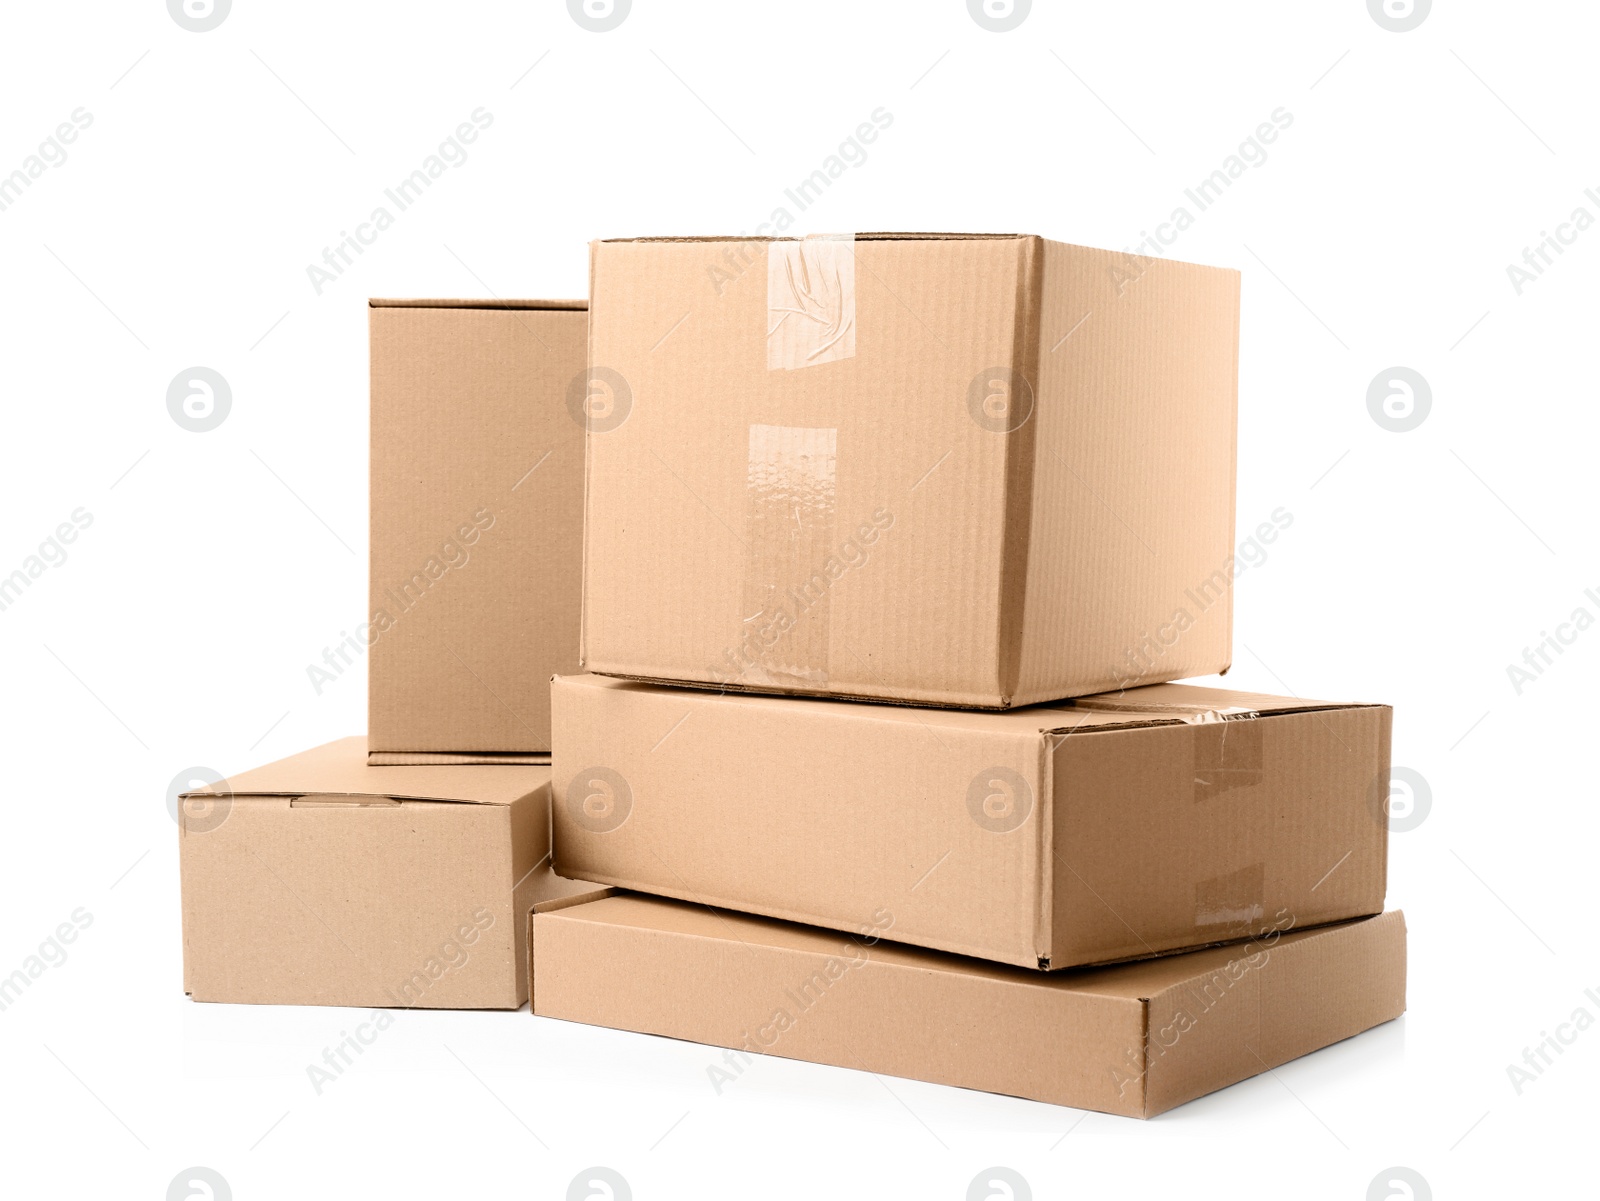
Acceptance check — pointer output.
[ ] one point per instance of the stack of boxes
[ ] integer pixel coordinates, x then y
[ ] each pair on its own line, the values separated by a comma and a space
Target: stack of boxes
890, 546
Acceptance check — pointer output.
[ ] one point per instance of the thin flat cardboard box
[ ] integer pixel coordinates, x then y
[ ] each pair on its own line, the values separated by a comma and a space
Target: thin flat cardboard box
967, 470
477, 511
321, 880
1135, 1039
1114, 827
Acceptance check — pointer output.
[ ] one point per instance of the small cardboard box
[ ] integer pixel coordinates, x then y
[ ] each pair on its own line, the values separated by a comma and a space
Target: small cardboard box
477, 512
1115, 827
967, 470
1136, 1039
320, 880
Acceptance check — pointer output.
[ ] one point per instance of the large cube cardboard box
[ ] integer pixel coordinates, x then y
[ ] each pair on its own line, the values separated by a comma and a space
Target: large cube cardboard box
1120, 826
978, 471
1135, 1039
477, 511
319, 880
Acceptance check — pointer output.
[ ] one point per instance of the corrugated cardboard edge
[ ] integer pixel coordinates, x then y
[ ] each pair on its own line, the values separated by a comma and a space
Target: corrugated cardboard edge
1144, 717
1044, 881
946, 700
1233, 473
356, 798
1381, 787
1021, 952
186, 902
920, 700
588, 472
1148, 714
457, 758
570, 306
1307, 994
1021, 453
526, 886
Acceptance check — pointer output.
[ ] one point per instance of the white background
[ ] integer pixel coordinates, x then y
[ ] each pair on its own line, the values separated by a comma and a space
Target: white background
218, 565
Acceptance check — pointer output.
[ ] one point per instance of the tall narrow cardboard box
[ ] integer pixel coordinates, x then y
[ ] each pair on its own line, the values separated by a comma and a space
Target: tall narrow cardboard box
477, 512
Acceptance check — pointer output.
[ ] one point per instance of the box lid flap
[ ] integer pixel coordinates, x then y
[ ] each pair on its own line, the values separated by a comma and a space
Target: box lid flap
1161, 704
340, 769
1152, 705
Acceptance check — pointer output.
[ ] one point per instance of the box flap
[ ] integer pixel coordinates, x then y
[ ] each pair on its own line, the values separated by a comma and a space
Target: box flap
1157, 704
573, 892
340, 768
1153, 704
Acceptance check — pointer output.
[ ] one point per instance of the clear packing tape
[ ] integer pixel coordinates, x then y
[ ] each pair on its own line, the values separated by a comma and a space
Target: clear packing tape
1229, 756
1197, 715
811, 301
791, 472
790, 492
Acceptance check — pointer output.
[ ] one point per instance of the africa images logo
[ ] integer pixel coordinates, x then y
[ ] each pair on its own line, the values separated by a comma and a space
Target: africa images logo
599, 799
199, 16
999, 799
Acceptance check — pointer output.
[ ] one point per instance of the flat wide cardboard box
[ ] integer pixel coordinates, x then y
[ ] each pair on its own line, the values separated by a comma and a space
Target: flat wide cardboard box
1119, 826
1136, 1039
477, 511
320, 880
967, 470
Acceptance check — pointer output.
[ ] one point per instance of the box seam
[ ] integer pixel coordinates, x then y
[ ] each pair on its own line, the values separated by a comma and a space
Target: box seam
1044, 852
1023, 956
583, 565
1021, 449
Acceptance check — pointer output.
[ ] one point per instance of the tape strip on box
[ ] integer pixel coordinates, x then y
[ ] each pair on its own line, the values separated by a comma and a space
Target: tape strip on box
1197, 715
811, 301
791, 491
1228, 755
1231, 905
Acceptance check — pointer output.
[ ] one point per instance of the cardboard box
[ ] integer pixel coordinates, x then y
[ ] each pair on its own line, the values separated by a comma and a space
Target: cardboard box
320, 880
477, 511
1116, 827
976, 471
1136, 1039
